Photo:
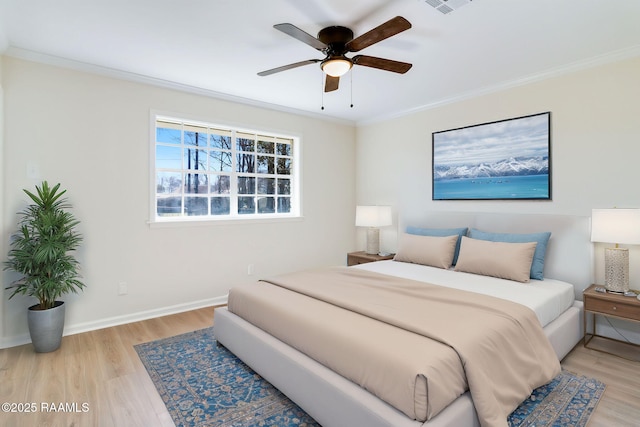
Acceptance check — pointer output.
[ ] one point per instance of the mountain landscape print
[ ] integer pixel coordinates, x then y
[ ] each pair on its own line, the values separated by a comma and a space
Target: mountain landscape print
507, 159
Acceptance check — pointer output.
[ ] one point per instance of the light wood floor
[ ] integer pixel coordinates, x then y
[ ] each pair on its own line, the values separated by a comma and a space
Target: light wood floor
101, 369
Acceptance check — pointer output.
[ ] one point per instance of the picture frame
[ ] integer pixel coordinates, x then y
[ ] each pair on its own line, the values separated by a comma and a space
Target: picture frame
507, 159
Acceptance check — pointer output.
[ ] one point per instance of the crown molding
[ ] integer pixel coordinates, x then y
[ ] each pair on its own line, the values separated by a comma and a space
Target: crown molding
33, 56
608, 58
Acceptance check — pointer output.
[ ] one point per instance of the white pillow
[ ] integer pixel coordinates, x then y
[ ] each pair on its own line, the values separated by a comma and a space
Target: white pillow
498, 259
427, 250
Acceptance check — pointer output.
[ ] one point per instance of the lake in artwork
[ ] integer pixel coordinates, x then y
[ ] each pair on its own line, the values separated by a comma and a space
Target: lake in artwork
512, 187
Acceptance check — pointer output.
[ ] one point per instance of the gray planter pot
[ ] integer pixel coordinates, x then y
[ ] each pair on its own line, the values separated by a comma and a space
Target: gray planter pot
45, 327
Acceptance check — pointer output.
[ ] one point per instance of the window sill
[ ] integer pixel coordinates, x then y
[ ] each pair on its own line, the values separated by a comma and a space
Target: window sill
221, 222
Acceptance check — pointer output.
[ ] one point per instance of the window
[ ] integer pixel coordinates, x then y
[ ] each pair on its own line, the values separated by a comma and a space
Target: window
207, 172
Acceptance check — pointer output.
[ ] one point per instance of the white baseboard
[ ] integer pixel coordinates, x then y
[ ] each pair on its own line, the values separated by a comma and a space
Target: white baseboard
7, 342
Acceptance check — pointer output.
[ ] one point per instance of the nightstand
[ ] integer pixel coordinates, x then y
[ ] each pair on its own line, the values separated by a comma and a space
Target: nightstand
610, 305
361, 257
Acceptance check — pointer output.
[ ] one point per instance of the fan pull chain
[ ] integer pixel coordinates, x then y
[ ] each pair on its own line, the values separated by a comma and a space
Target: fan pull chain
322, 91
351, 84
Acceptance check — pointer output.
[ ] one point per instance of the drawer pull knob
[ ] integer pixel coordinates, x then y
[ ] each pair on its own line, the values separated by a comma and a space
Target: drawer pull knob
615, 308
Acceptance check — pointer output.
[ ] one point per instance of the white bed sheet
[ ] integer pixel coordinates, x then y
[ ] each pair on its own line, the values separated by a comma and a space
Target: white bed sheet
548, 298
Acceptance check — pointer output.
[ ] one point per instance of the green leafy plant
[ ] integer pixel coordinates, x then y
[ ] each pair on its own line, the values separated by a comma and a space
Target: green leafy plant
42, 249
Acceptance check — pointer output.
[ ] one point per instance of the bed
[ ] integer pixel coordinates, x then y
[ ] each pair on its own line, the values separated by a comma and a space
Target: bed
334, 400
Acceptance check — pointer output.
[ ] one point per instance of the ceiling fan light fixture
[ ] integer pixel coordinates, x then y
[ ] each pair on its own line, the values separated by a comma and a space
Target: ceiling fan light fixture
336, 67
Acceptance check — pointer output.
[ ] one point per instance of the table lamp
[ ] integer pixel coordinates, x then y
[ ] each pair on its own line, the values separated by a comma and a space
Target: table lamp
373, 217
616, 226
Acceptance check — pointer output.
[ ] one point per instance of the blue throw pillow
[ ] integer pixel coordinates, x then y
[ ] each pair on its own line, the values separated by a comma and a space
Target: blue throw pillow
542, 239
441, 232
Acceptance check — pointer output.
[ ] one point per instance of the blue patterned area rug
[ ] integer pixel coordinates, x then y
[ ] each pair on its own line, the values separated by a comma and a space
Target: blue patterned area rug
204, 385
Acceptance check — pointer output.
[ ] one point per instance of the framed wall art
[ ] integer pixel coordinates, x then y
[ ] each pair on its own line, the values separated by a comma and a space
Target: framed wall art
501, 160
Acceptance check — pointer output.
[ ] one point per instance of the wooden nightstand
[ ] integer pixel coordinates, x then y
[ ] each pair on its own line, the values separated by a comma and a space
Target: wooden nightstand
361, 257
610, 305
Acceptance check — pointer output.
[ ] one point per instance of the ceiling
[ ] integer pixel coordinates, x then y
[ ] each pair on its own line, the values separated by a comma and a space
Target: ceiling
217, 47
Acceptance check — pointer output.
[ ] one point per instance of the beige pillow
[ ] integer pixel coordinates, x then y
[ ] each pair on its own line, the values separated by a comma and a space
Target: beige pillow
427, 250
498, 259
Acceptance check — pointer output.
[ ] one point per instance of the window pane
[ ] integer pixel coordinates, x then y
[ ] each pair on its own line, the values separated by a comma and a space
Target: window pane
220, 161
284, 186
195, 159
246, 205
266, 164
266, 205
171, 136
195, 183
284, 166
219, 141
246, 143
220, 184
283, 149
266, 186
220, 206
195, 135
246, 163
168, 182
169, 206
246, 185
195, 206
204, 170
284, 204
168, 157
265, 147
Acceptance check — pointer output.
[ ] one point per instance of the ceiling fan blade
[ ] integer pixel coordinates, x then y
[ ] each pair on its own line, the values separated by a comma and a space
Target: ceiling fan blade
331, 83
288, 67
298, 34
390, 28
382, 64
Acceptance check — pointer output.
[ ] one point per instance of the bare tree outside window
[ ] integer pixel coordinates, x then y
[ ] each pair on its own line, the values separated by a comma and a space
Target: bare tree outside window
206, 171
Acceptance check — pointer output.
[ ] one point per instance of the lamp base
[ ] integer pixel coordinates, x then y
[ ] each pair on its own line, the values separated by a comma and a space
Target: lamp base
616, 266
373, 240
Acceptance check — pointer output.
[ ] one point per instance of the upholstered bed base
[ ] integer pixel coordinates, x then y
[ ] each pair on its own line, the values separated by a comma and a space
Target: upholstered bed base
335, 401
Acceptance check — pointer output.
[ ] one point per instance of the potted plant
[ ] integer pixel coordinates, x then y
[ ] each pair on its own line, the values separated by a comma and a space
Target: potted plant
42, 252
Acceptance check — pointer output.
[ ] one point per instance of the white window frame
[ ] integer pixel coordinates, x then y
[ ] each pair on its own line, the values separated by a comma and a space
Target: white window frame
295, 211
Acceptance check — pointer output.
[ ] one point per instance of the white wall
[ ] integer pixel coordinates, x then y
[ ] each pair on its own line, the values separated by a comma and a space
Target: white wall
595, 144
595, 149
91, 133
2, 182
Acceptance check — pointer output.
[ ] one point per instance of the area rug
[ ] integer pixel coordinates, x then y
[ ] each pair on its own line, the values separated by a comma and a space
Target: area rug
204, 385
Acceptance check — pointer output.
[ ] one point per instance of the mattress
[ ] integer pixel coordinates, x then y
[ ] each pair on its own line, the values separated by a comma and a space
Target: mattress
548, 298
377, 361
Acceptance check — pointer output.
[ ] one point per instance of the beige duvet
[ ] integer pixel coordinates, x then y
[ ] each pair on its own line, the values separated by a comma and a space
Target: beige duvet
415, 346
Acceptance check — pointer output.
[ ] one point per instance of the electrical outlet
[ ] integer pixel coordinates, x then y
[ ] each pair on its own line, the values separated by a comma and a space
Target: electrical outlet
122, 288
33, 171
250, 270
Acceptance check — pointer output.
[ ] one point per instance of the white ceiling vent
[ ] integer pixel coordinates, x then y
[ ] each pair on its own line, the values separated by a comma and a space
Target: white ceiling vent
446, 6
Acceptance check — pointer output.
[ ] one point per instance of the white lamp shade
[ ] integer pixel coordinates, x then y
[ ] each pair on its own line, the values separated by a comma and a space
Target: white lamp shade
336, 67
615, 226
373, 216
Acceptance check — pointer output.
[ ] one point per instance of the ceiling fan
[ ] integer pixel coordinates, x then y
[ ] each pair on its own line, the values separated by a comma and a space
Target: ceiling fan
336, 41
